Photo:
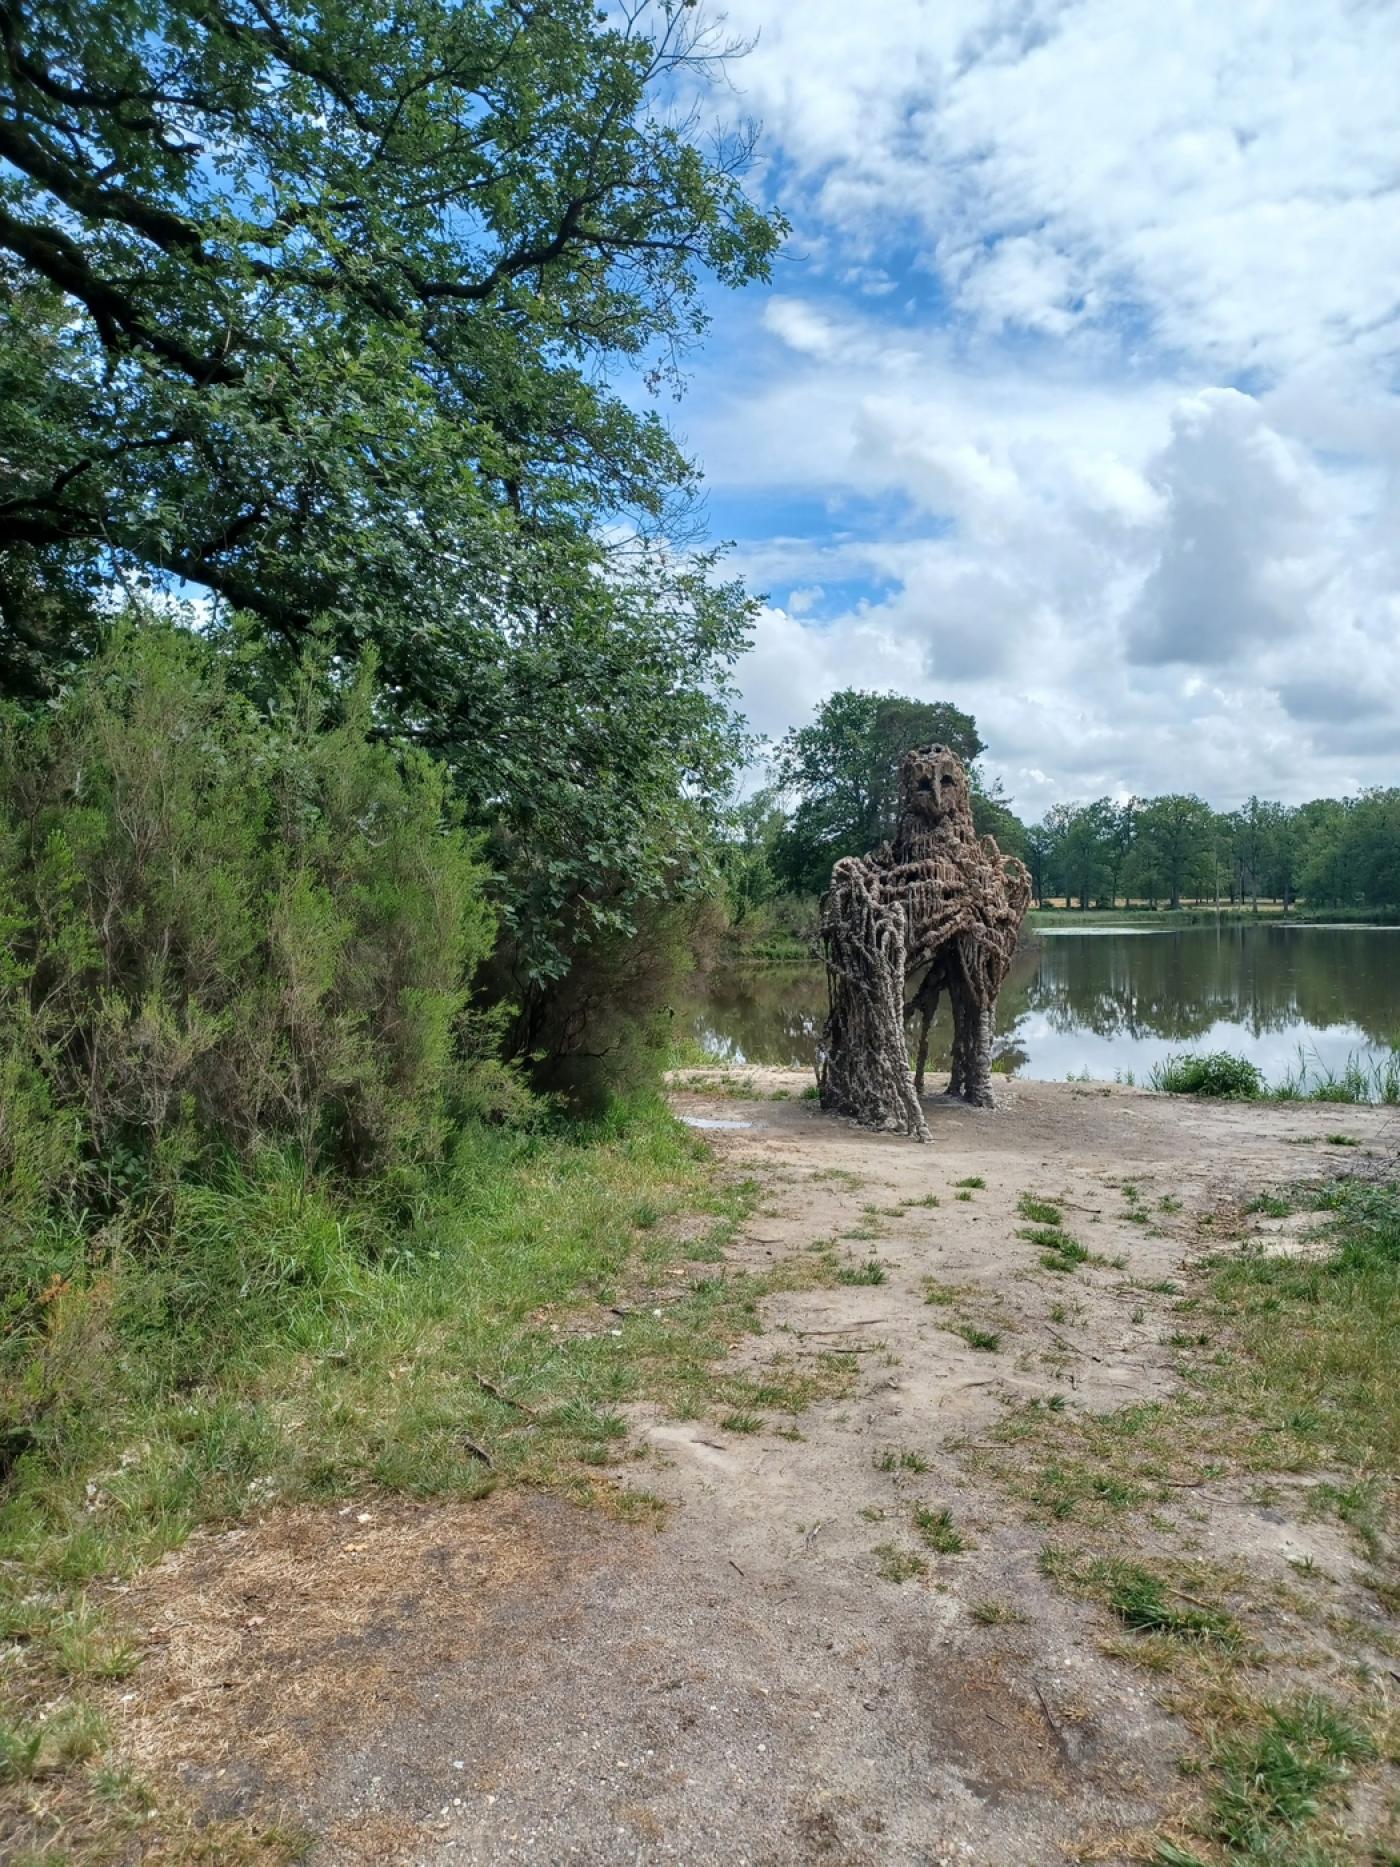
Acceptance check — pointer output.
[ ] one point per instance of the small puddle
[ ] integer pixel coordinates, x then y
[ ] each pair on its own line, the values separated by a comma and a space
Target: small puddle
710, 1121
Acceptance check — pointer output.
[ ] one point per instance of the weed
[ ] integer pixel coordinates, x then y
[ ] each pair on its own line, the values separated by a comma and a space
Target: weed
974, 1182
898, 1565
893, 1459
988, 1340
1270, 1205
871, 1272
1059, 1250
1140, 1600
990, 1613
938, 1530
962, 1196
1039, 1211
742, 1423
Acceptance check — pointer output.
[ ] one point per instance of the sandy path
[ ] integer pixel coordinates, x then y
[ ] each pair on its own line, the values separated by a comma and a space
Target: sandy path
526, 1683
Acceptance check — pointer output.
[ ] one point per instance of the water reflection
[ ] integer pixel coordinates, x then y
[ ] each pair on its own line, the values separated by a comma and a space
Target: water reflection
1113, 1003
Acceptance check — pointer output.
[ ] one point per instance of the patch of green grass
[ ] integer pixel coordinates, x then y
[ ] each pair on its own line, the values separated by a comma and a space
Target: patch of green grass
1270, 1205
1341, 1140
871, 1272
896, 1459
1060, 1251
974, 1181
1145, 1603
1039, 1211
742, 1423
989, 1340
937, 1529
1276, 1781
1233, 1079
940, 1293
966, 1197
898, 1565
990, 1613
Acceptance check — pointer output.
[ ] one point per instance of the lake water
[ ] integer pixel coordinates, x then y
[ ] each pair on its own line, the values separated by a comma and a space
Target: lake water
1113, 1002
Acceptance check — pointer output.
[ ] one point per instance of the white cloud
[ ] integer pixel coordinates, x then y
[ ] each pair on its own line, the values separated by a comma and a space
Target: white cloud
1047, 247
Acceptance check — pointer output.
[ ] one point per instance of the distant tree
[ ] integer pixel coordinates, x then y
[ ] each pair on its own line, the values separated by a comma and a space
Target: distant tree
1173, 843
1038, 856
843, 770
1079, 849
747, 855
1353, 851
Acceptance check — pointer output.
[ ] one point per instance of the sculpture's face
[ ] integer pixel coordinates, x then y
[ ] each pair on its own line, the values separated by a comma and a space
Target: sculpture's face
933, 784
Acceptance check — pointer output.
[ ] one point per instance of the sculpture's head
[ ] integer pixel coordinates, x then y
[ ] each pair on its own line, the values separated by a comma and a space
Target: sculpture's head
933, 785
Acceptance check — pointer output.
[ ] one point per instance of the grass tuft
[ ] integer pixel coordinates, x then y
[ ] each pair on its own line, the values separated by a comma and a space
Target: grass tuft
871, 1272
937, 1529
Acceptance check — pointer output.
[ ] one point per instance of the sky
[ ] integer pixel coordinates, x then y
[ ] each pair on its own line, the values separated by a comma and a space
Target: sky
1075, 395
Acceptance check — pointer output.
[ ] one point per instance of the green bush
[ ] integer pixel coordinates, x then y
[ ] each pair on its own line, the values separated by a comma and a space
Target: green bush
228, 926
1234, 1079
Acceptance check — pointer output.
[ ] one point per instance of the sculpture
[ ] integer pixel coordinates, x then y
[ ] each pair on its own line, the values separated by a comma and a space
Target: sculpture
939, 905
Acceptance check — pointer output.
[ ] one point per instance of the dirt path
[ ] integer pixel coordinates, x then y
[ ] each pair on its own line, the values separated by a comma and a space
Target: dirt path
517, 1681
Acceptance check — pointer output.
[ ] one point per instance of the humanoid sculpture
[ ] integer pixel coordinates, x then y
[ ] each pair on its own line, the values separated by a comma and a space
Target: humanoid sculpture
940, 906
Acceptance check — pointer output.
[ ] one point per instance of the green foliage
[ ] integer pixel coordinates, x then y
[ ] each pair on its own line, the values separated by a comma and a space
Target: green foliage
318, 317
843, 769
278, 324
1233, 1079
229, 926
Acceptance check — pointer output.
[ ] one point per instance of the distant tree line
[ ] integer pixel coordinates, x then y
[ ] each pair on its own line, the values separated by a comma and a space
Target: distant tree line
833, 793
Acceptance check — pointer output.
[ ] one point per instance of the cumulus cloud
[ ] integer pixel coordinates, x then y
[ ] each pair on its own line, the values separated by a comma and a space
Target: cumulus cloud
1080, 407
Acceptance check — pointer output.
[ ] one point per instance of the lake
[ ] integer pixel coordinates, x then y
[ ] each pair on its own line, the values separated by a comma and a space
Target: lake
1112, 1002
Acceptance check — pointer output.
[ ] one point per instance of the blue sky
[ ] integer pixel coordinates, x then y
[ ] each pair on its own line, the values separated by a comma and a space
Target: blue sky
1075, 396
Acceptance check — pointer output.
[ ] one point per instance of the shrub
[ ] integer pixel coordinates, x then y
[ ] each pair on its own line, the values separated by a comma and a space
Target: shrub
1234, 1079
230, 925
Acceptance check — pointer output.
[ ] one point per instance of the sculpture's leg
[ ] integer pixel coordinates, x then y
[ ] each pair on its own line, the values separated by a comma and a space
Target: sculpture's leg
977, 1087
926, 1004
957, 999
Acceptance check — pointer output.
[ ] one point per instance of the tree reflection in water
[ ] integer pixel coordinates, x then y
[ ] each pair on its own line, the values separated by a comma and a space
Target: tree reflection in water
1115, 1003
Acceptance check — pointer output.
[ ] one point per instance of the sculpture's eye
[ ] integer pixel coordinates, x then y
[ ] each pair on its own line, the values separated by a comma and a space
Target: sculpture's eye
947, 778
925, 784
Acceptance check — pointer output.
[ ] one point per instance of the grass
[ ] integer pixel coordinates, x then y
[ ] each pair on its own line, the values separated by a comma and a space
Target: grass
1059, 1250
1233, 1079
898, 1565
1039, 1211
476, 1329
974, 1182
937, 1529
1360, 1079
871, 1272
989, 1613
894, 1459
1289, 1372
742, 1423
988, 1340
